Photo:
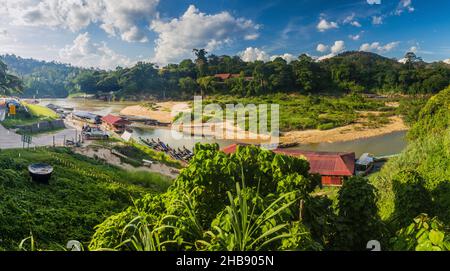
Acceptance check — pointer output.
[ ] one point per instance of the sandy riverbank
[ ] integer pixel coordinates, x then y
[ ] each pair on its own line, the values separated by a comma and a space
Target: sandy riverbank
162, 112
345, 133
357, 130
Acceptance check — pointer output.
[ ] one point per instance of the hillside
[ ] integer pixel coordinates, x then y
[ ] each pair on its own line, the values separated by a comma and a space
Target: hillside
344, 73
81, 194
418, 181
41, 78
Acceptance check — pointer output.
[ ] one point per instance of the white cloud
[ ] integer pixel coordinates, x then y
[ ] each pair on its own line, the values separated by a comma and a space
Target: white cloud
351, 20
336, 48
251, 54
377, 20
447, 61
356, 23
117, 18
373, 2
322, 48
194, 29
413, 49
288, 57
354, 37
378, 47
324, 25
83, 52
404, 5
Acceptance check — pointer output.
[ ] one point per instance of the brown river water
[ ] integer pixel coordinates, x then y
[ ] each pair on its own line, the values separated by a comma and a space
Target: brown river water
387, 144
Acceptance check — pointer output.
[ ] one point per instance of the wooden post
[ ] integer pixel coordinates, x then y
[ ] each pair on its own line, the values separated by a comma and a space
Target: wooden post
64, 142
53, 141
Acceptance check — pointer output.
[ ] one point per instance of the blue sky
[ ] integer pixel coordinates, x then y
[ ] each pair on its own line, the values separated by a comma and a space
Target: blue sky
107, 33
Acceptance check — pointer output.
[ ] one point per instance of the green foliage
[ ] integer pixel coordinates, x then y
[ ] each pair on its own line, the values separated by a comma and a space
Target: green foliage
434, 118
410, 108
247, 224
9, 84
42, 79
357, 220
82, 193
411, 197
204, 208
29, 114
427, 157
299, 112
424, 234
350, 72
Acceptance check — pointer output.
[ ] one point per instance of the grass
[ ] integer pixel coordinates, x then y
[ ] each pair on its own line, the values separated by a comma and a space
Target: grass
299, 112
137, 151
41, 111
82, 193
35, 114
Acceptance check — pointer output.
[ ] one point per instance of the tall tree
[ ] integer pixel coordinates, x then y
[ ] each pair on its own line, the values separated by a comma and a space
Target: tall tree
201, 62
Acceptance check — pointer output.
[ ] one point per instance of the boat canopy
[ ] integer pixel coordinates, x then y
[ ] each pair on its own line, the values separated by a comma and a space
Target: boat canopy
86, 115
365, 159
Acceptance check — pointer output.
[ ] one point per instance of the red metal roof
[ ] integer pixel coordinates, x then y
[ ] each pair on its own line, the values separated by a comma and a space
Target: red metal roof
326, 163
323, 163
111, 119
223, 76
230, 149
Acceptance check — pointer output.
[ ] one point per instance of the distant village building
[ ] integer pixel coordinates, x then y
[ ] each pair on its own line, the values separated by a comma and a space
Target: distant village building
115, 123
334, 167
226, 76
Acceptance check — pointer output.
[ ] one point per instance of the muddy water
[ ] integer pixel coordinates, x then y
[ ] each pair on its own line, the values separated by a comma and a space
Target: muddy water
380, 145
387, 144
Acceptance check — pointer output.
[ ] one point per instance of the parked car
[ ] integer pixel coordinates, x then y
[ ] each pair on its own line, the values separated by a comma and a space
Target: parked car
95, 133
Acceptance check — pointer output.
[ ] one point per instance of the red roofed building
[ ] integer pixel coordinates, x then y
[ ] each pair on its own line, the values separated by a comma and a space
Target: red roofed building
334, 167
226, 76
115, 123
223, 76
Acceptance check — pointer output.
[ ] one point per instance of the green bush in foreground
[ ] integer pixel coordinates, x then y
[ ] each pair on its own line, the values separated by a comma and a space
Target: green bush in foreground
424, 234
250, 200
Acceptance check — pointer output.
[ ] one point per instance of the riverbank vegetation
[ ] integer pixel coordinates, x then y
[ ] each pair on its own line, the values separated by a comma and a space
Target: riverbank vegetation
82, 193
299, 112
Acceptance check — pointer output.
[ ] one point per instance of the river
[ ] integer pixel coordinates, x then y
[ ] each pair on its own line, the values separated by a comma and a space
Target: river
387, 144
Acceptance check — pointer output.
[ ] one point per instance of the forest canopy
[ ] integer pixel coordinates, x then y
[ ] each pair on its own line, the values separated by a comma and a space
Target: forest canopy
347, 72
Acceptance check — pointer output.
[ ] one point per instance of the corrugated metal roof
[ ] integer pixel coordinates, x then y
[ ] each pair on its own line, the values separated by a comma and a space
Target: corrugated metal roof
111, 119
323, 163
223, 76
83, 114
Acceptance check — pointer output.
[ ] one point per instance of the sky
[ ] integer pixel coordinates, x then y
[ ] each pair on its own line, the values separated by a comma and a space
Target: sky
110, 33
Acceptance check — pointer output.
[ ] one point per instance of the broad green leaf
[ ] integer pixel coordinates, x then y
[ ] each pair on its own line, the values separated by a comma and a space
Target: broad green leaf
436, 237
